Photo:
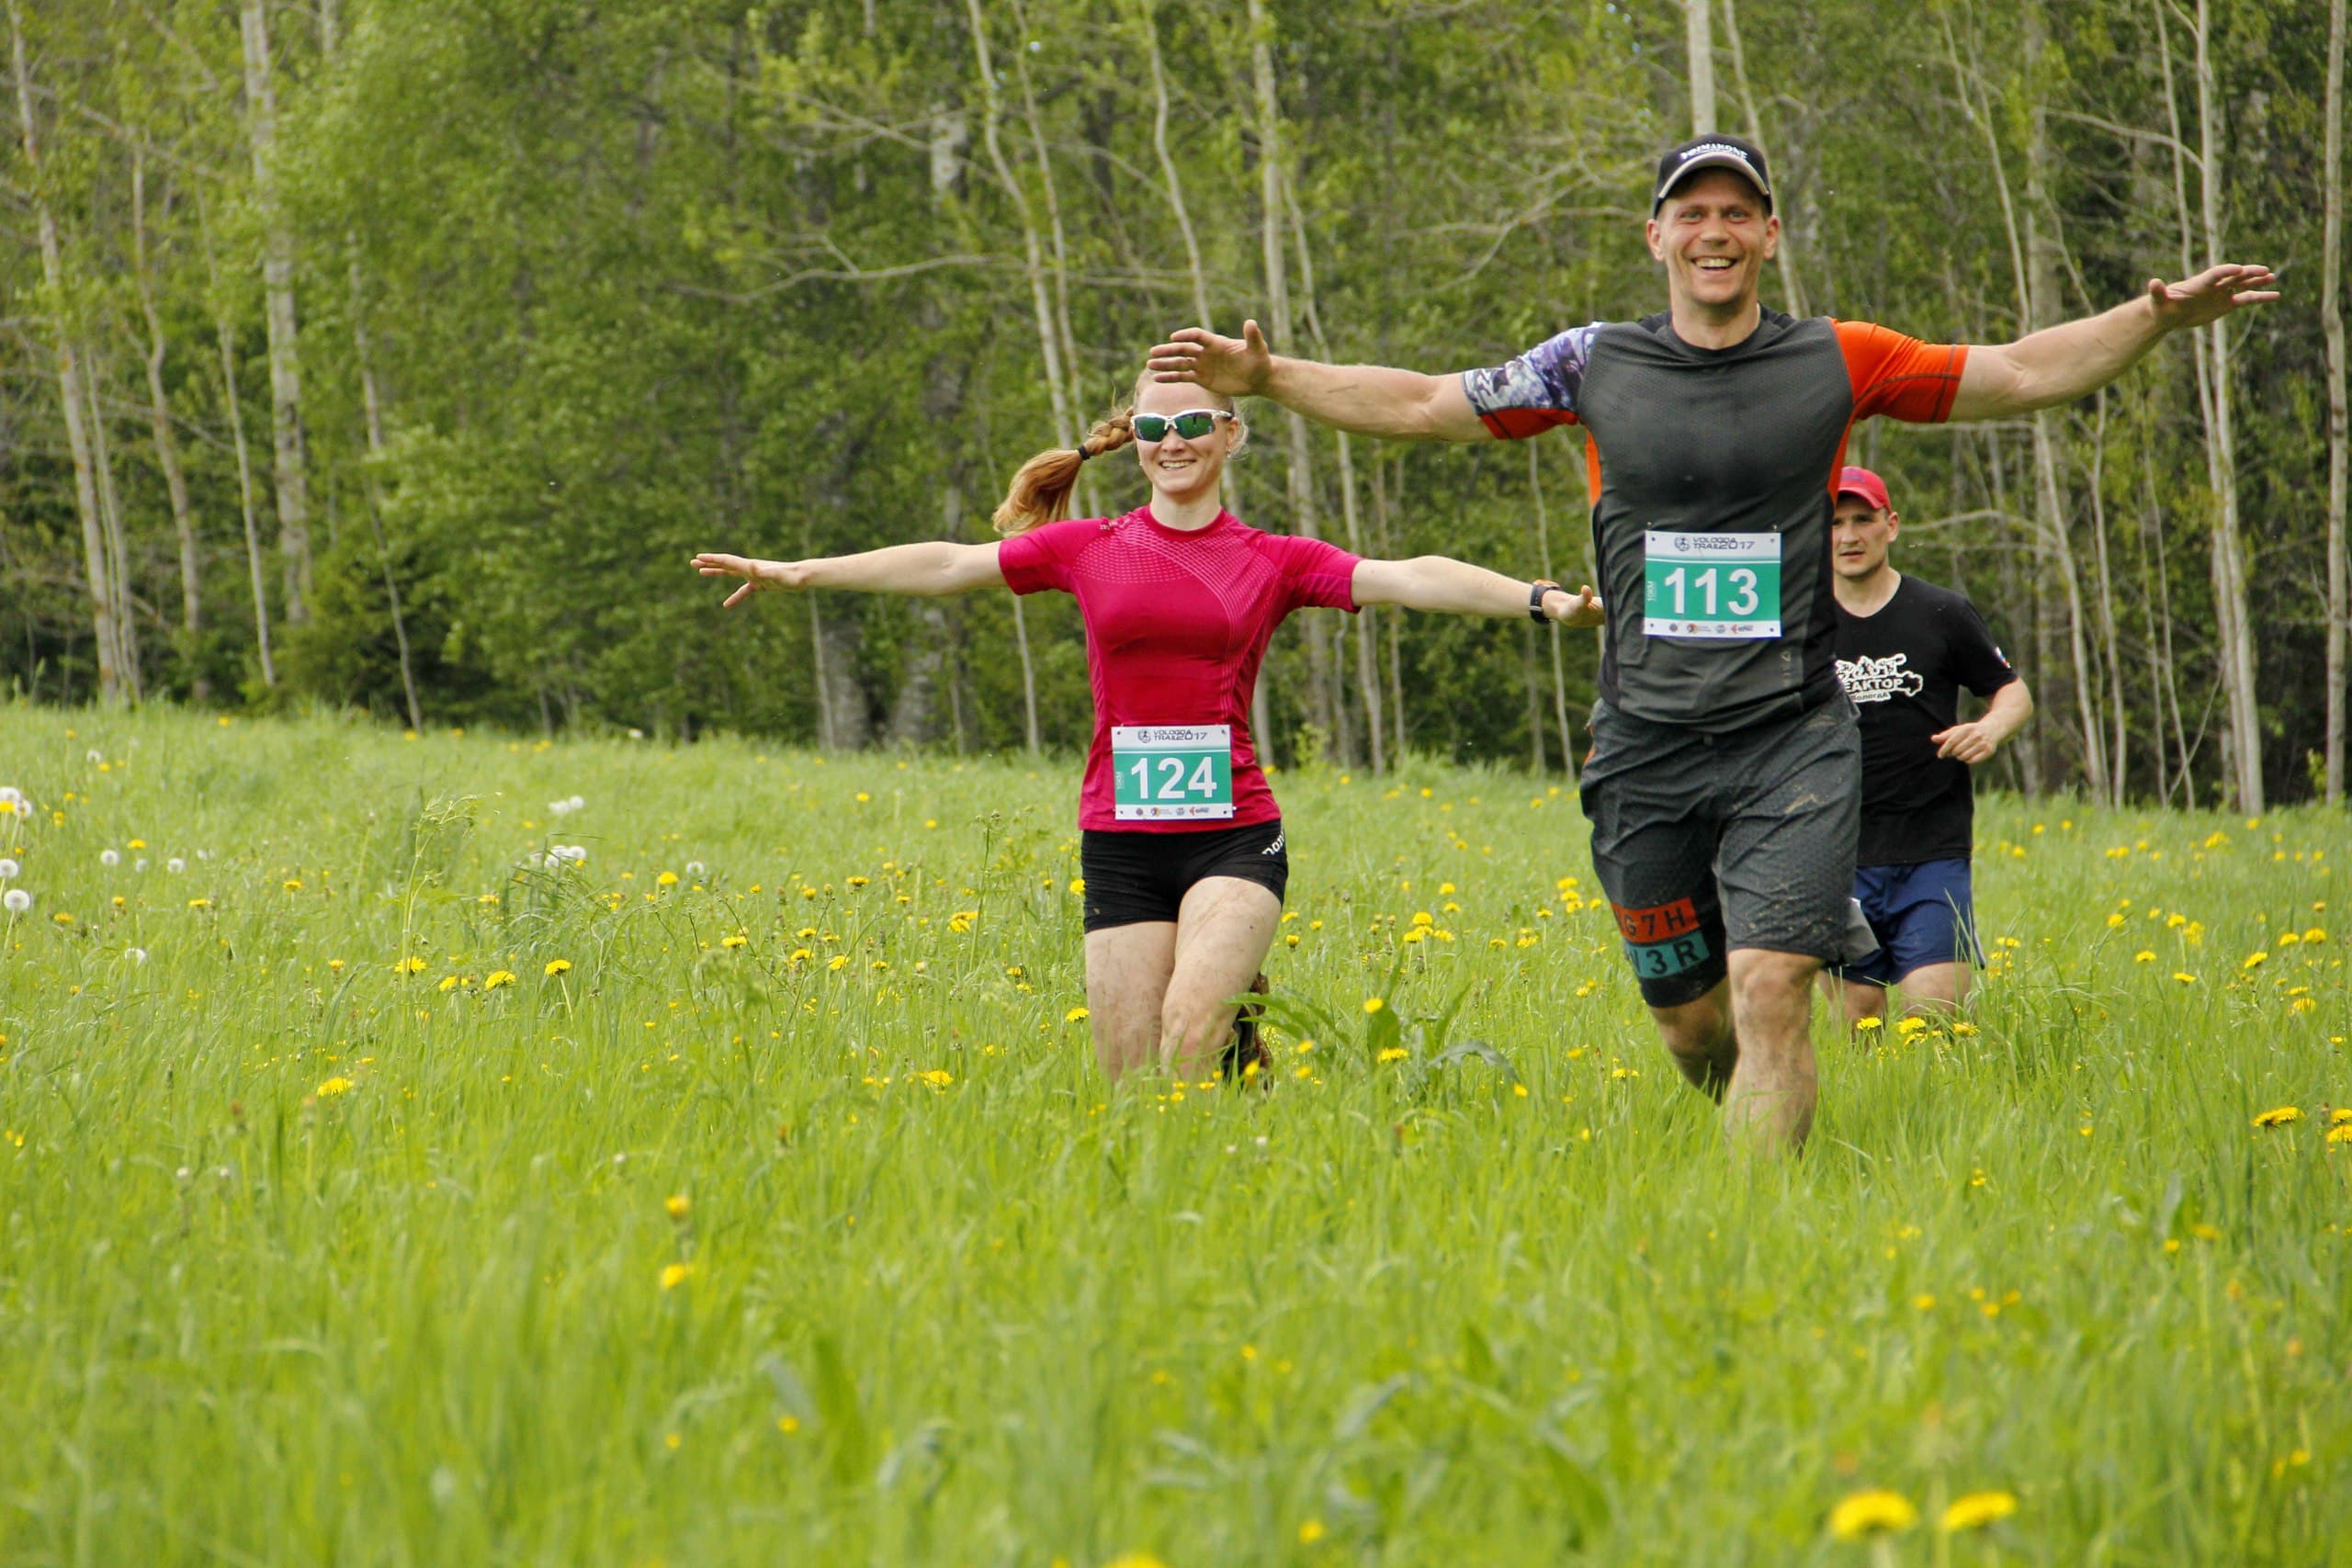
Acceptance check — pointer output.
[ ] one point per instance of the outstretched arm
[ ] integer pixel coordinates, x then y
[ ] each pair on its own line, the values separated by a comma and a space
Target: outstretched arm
931, 568
1454, 587
2060, 363
1369, 400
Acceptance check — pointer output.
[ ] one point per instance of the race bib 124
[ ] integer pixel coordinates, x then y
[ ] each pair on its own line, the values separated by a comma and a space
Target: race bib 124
1171, 772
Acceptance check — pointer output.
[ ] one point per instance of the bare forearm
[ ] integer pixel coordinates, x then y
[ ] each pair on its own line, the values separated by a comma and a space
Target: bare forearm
2006, 711
2059, 364
1373, 400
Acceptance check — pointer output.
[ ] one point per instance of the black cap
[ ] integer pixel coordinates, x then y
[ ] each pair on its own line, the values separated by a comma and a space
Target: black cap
1743, 158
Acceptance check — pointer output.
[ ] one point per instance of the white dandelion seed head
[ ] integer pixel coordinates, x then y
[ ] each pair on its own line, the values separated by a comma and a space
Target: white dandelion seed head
204, 854
636, 734
575, 803
94, 755
11, 795
8, 868
136, 954
109, 857
694, 868
176, 865
138, 865
18, 900
559, 807
572, 854
24, 808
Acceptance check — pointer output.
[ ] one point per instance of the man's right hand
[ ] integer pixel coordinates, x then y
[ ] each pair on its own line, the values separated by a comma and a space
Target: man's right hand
1238, 367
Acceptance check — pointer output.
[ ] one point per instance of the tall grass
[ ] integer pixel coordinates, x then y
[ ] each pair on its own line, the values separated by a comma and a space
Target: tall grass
305, 1258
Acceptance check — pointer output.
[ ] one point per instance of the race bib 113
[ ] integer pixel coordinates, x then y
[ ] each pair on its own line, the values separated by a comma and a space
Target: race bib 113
1171, 772
1711, 585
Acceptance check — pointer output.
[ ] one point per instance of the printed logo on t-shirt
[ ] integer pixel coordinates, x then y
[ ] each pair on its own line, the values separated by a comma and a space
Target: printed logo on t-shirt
1869, 680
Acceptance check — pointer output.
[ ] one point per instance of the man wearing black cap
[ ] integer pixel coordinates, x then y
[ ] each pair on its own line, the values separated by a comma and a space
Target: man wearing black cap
1906, 649
1724, 783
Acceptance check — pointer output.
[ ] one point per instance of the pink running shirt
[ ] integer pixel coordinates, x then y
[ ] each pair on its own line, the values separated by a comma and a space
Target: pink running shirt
1176, 623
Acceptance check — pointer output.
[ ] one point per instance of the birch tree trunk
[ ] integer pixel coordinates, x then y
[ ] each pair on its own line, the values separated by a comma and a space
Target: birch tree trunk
1049, 342
285, 355
1089, 504
2034, 274
1698, 45
1298, 468
1784, 257
235, 405
159, 420
111, 530
1367, 655
2331, 320
2232, 627
2109, 639
372, 403
69, 374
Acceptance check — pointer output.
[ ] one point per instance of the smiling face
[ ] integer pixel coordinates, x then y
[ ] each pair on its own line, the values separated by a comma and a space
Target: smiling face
1180, 469
1714, 236
1859, 537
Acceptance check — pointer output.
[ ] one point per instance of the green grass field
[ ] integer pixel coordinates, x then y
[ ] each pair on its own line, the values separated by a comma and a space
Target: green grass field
792, 1224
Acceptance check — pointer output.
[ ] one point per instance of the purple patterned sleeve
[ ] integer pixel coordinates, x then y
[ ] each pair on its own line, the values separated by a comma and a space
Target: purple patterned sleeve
1535, 392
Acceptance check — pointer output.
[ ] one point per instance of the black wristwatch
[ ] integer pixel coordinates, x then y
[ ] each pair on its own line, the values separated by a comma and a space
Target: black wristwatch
1535, 591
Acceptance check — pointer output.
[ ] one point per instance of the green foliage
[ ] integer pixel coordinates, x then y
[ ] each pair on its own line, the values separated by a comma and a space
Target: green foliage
642, 281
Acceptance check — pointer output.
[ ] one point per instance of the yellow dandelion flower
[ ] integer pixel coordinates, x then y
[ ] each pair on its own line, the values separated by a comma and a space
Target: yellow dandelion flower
2340, 1116
856, 881
1310, 1531
677, 1205
1867, 1024
738, 940
1394, 1054
788, 1423
1872, 1513
409, 966
199, 903
558, 966
1519, 1090
448, 982
837, 963
2341, 1133
2315, 934
331, 1088
1373, 1004
676, 1274
1077, 885
937, 1077
2144, 956
2184, 976
1975, 1509
2278, 1116
497, 977
2255, 960
1924, 1302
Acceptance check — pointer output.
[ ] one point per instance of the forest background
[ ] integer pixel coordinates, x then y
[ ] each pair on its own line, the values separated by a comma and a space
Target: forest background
398, 353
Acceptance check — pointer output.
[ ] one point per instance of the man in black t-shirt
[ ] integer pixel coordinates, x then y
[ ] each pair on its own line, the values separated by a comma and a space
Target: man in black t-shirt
1905, 649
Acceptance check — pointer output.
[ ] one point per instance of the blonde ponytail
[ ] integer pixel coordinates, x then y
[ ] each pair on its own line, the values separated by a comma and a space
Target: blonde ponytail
1040, 491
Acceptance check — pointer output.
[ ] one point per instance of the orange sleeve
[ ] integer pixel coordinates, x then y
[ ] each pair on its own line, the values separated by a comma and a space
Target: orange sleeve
1900, 377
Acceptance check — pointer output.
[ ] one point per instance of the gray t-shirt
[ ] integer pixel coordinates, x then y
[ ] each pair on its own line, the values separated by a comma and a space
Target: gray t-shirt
1710, 473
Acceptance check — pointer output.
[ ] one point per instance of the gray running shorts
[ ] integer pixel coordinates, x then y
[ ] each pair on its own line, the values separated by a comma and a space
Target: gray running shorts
1708, 842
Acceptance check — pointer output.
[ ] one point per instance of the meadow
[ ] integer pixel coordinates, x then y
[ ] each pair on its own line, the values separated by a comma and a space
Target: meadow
734, 1185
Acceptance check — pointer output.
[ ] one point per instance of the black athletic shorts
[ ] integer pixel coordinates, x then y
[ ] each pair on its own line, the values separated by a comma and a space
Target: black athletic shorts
1132, 878
1707, 842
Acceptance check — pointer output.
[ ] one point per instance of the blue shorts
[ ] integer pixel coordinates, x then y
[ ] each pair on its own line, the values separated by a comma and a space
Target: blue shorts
1921, 914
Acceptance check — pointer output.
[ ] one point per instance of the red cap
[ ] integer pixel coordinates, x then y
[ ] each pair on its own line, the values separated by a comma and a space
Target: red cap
1865, 483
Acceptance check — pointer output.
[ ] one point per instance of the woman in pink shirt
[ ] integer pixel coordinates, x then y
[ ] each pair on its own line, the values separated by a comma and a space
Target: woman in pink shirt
1182, 842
